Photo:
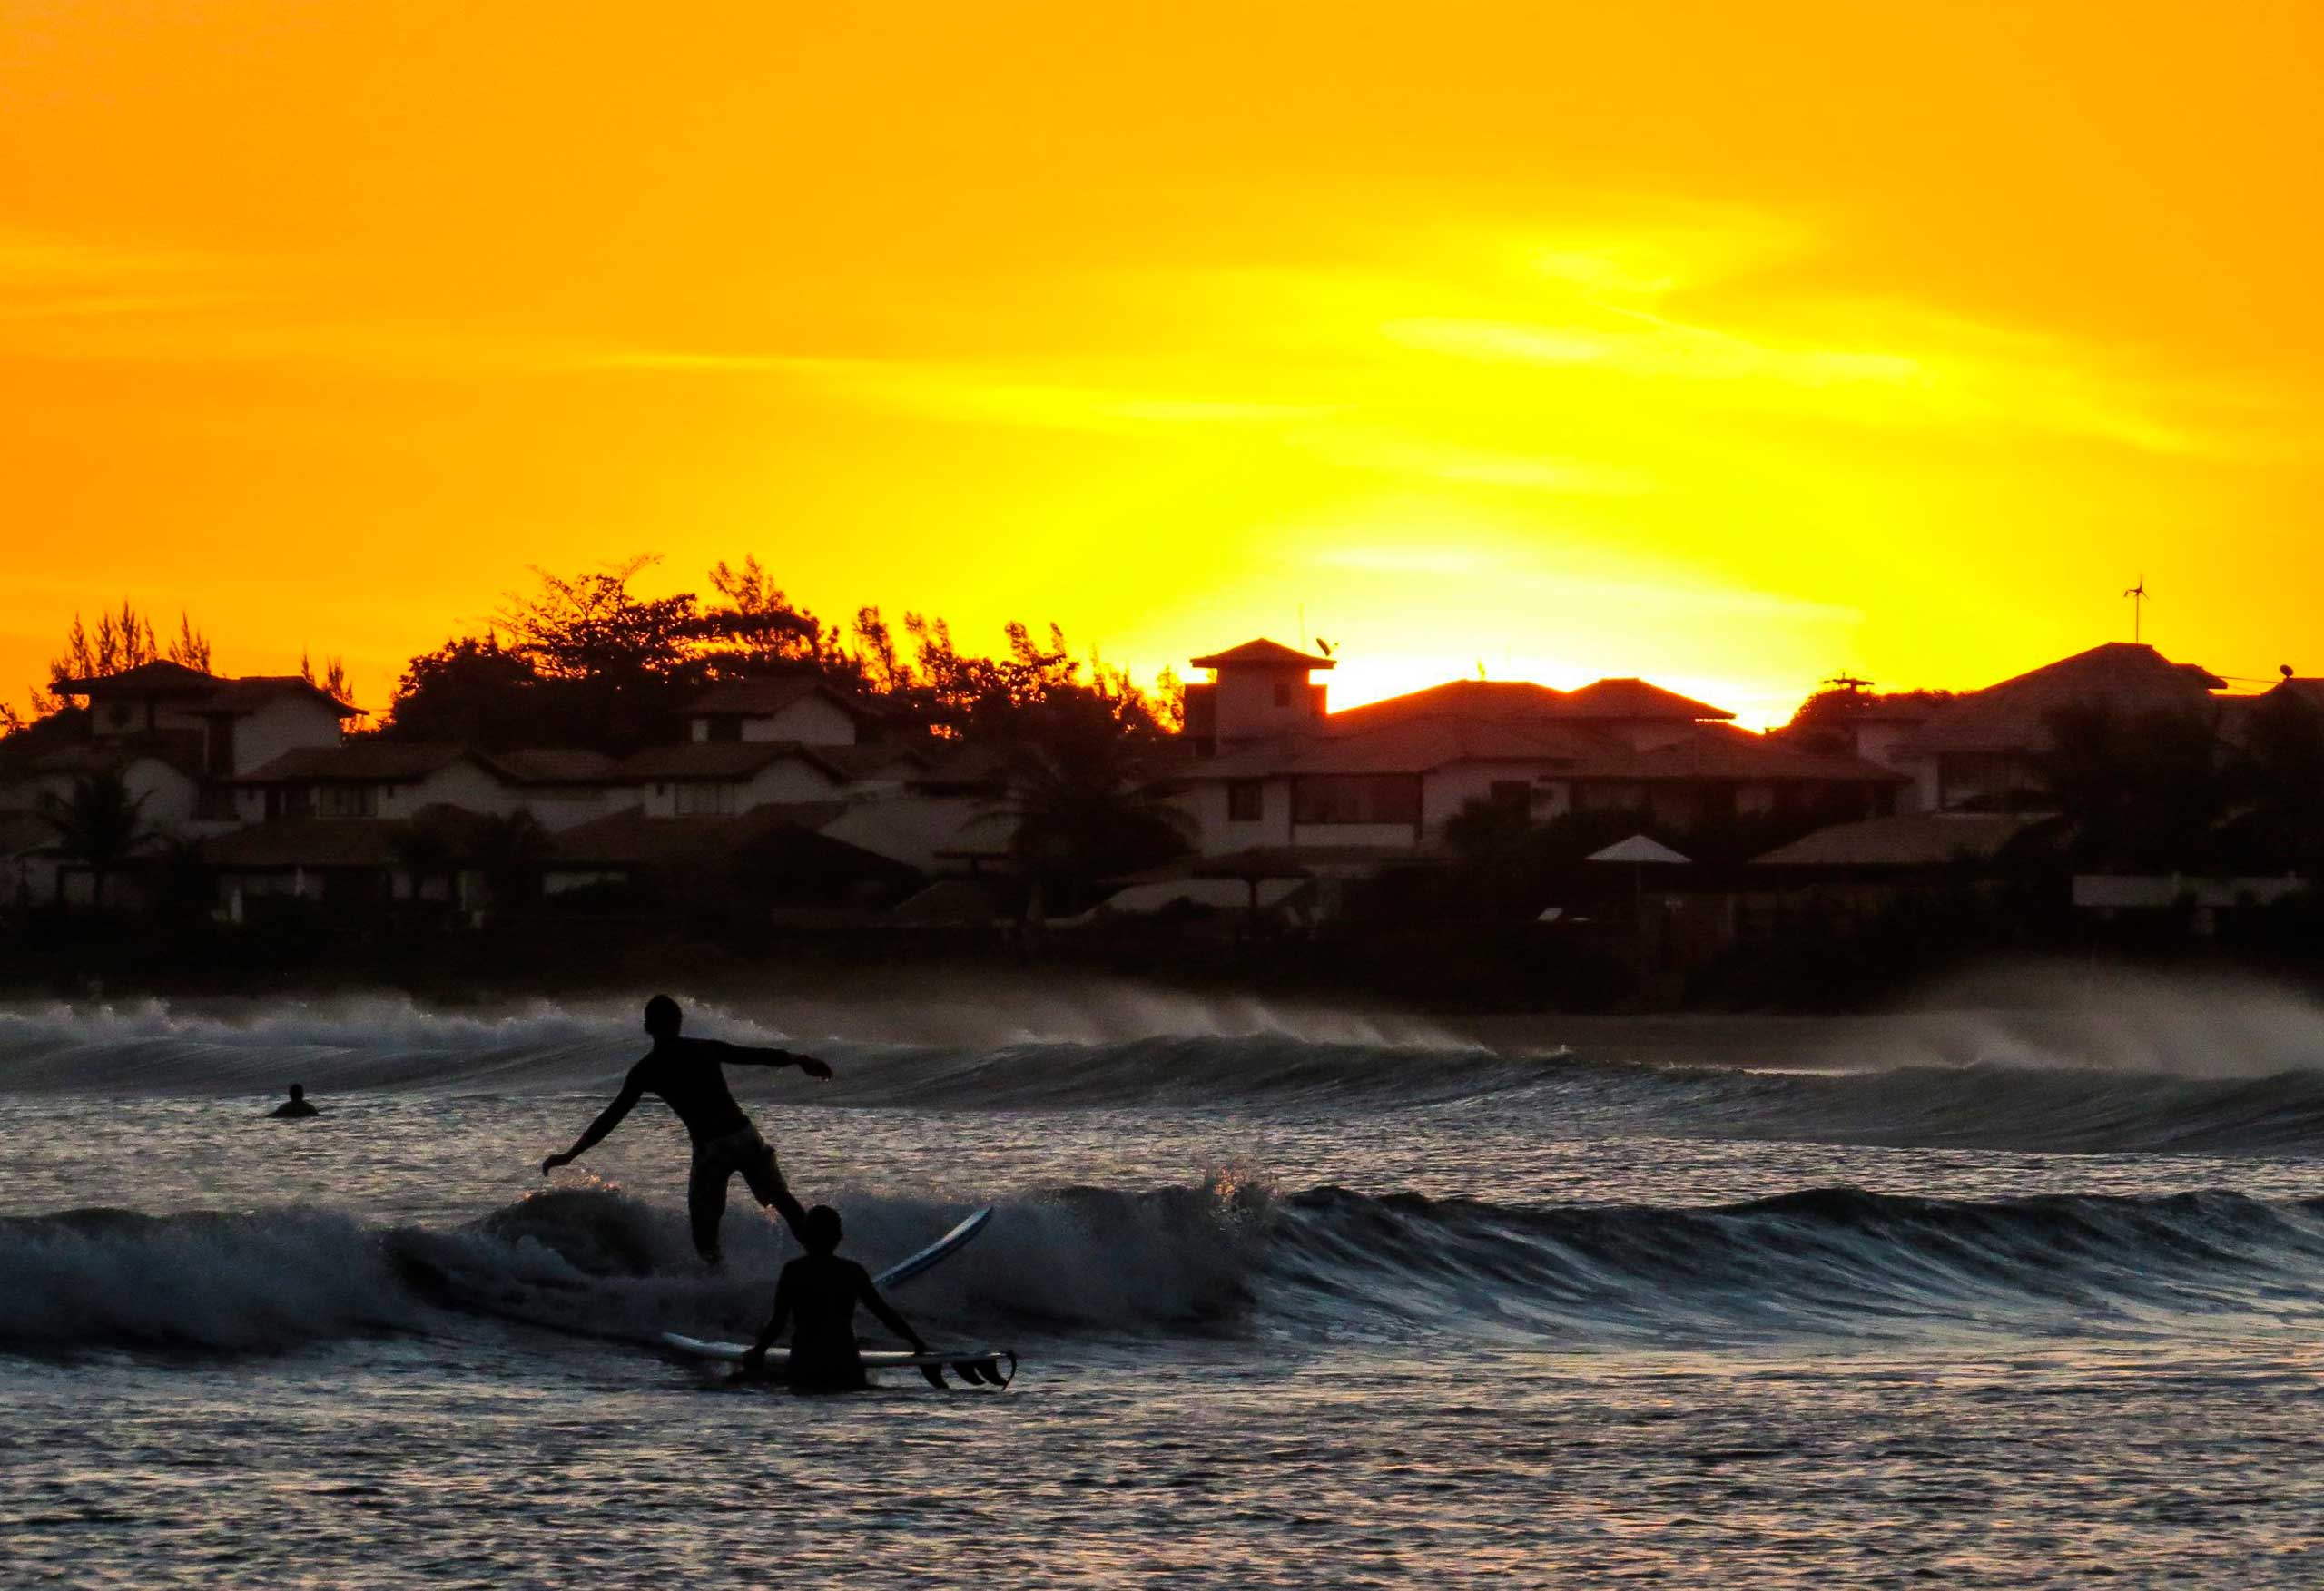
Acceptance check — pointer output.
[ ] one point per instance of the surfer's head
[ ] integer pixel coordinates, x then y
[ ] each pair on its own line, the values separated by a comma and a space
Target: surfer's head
298, 1091
820, 1229
663, 1016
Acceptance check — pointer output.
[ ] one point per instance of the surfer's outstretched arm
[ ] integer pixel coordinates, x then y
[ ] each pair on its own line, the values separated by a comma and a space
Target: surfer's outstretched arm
745, 1055
608, 1120
869, 1297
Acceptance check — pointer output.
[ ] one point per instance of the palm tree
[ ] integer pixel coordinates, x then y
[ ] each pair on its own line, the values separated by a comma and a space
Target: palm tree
511, 848
100, 826
1087, 807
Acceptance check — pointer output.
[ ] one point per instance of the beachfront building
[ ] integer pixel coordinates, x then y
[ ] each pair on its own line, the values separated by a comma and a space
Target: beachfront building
1381, 782
1981, 751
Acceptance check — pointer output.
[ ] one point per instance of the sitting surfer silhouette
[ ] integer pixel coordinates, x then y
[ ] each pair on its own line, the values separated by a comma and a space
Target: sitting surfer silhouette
816, 1297
685, 1073
296, 1107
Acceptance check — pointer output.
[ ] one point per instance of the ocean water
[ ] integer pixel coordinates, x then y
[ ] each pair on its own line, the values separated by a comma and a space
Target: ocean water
1972, 1297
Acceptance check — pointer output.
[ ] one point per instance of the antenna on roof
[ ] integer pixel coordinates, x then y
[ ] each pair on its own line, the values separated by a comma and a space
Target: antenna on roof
2139, 599
1324, 646
2284, 669
1844, 681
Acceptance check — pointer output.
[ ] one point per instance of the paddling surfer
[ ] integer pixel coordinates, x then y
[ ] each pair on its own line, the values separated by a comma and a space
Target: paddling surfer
296, 1107
685, 1073
816, 1297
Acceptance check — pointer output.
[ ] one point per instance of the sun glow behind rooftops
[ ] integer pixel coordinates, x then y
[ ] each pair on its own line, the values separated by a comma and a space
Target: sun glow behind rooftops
1719, 348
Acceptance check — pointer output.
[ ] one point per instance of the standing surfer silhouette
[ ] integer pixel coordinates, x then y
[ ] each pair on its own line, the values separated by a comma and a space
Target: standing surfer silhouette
685, 1073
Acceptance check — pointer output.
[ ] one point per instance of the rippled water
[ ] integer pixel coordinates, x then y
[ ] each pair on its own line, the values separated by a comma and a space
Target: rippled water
1302, 1301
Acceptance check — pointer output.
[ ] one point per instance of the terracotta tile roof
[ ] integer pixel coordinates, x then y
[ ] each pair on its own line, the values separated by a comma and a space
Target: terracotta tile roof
1265, 654
181, 749
1635, 699
1502, 701
363, 762
1414, 746
629, 837
863, 761
249, 692
2009, 716
758, 698
307, 842
721, 760
554, 765
1721, 752
158, 678
1910, 840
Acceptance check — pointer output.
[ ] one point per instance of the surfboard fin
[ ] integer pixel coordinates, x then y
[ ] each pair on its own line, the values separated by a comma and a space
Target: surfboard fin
935, 1374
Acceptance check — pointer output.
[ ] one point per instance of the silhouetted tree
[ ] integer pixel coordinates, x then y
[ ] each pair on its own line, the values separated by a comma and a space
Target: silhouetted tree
1088, 804
1825, 721
511, 849
122, 641
473, 691
101, 826
2146, 792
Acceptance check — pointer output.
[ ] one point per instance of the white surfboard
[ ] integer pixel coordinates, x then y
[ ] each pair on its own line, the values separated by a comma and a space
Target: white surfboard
993, 1366
905, 1269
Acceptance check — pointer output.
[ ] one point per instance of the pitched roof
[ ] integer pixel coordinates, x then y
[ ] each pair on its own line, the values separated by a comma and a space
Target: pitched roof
158, 678
308, 842
1910, 840
363, 762
1502, 701
759, 698
2010, 716
1639, 849
1262, 653
722, 759
1412, 746
249, 692
1722, 751
629, 837
179, 748
554, 765
1635, 699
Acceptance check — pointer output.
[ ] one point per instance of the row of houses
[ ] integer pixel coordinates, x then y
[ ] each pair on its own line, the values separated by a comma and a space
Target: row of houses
260, 779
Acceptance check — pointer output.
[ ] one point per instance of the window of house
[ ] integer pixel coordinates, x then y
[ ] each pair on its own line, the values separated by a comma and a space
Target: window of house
1246, 800
1357, 797
725, 729
1283, 692
1512, 795
706, 800
346, 801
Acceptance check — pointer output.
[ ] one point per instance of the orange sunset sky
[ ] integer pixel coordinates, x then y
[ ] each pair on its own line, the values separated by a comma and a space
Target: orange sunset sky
1730, 344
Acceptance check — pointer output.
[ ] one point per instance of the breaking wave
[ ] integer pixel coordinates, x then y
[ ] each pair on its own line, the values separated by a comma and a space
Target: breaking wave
1227, 1258
2152, 1066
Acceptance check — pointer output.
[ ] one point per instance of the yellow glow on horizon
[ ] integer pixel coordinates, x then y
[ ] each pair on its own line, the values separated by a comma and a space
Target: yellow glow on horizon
1725, 348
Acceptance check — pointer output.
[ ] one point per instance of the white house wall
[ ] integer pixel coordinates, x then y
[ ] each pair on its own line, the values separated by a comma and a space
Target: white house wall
461, 784
1215, 834
287, 723
812, 720
1246, 709
1444, 791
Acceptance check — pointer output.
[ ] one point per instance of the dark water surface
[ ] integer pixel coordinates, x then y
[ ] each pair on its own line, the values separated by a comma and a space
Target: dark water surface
1303, 1301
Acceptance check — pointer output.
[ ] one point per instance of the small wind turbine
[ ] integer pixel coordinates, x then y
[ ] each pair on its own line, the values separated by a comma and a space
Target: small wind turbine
2139, 599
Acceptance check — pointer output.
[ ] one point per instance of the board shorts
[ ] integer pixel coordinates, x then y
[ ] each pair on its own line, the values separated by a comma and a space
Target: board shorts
716, 1162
